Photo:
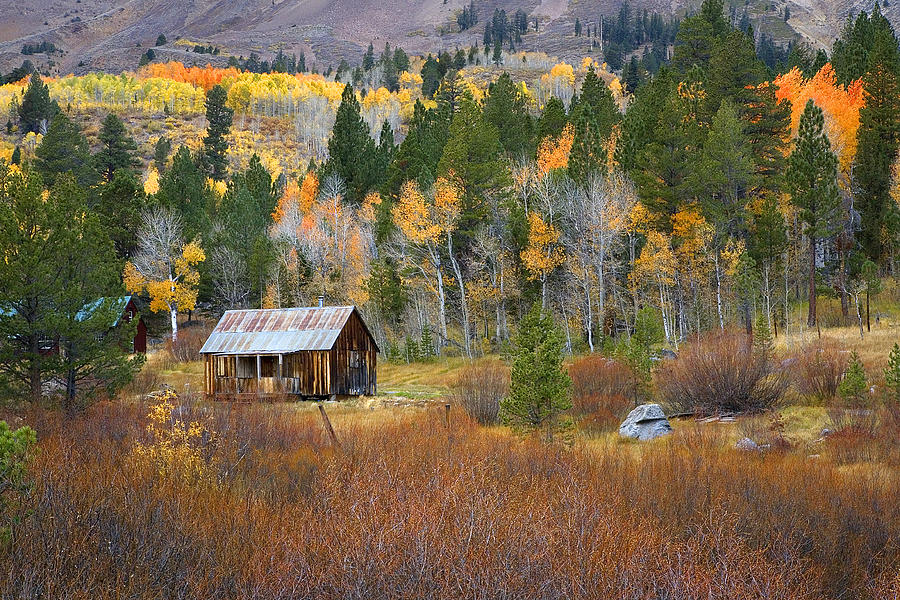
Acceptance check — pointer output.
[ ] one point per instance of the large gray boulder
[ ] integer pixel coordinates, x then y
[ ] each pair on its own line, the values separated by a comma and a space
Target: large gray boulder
646, 422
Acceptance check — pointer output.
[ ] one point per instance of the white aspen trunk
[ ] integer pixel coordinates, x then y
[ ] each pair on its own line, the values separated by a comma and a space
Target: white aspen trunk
767, 295
464, 305
589, 316
787, 316
662, 308
719, 293
173, 314
858, 314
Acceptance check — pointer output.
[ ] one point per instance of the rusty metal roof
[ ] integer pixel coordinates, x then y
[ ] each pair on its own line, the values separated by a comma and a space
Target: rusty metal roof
277, 330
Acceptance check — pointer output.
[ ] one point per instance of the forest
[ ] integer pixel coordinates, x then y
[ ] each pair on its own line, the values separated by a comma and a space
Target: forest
692, 215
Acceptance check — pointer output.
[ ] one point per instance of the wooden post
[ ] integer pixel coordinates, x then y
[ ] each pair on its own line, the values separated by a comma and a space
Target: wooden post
258, 374
447, 415
328, 427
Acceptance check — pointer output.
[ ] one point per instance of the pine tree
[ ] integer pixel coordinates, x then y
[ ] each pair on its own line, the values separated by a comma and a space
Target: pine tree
48, 280
854, 388
878, 140
369, 58
119, 207
497, 57
553, 120
183, 189
36, 109
472, 157
812, 182
725, 172
431, 77
505, 108
118, 149
538, 393
351, 150
161, 153
64, 150
88, 305
594, 117
16, 157
219, 118
892, 375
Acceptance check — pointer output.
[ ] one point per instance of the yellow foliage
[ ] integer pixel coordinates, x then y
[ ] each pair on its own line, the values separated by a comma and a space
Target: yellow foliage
218, 187
151, 181
174, 447
176, 291
543, 253
656, 262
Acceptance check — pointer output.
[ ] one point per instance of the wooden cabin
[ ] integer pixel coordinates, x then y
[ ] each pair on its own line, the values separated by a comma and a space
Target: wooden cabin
306, 353
125, 311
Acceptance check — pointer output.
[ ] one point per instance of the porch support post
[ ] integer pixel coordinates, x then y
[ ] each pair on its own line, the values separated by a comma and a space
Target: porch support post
258, 375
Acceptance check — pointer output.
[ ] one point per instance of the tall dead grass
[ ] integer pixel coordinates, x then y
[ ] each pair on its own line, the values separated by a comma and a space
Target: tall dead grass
409, 509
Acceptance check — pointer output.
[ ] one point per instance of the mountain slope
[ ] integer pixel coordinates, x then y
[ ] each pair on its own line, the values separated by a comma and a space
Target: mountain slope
112, 34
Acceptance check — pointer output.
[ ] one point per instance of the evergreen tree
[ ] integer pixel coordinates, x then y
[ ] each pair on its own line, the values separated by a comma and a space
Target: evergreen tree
48, 281
497, 57
854, 388
892, 375
389, 76
418, 155
724, 173
36, 109
119, 204
878, 139
553, 120
183, 190
767, 123
351, 150
161, 153
431, 77
594, 116
505, 108
118, 149
87, 308
401, 60
219, 118
472, 155
812, 182
538, 393
64, 150
369, 58
16, 158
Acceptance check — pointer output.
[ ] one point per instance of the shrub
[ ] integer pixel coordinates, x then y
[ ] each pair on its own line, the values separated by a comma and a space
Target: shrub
819, 368
15, 450
479, 388
603, 391
190, 340
720, 373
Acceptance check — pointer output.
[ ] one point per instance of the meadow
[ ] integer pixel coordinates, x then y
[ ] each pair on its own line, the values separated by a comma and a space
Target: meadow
164, 495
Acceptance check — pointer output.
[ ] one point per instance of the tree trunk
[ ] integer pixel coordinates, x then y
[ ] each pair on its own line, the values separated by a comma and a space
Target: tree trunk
719, 293
868, 322
464, 305
811, 318
173, 314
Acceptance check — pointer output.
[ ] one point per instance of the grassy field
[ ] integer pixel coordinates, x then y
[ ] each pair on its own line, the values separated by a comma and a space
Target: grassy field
171, 496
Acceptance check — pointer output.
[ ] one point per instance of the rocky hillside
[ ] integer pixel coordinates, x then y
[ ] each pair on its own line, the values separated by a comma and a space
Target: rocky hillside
112, 34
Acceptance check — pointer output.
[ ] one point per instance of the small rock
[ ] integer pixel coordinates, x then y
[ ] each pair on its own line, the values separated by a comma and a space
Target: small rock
646, 422
665, 353
826, 432
747, 445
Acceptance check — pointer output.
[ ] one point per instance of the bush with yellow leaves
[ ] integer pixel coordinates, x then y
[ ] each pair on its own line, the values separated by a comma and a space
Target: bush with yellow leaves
174, 447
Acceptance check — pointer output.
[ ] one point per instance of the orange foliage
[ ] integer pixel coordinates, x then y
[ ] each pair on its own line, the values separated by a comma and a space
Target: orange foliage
554, 154
204, 77
841, 105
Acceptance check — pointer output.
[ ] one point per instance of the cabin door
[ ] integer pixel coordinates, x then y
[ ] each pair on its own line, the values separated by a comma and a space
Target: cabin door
357, 373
